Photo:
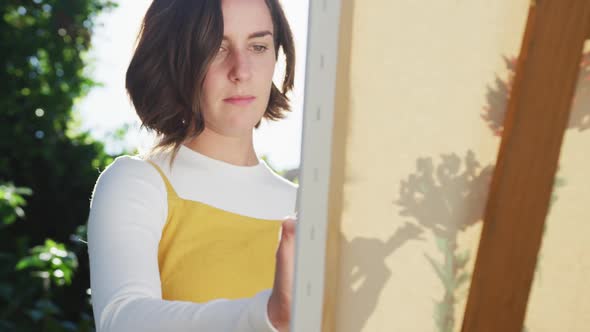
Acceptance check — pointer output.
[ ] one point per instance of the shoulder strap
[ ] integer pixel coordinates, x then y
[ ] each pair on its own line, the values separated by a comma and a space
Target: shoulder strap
169, 187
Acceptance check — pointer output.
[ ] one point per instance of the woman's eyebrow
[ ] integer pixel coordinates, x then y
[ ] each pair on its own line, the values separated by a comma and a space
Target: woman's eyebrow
257, 34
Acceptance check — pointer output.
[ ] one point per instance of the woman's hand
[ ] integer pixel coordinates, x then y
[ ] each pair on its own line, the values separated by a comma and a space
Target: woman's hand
279, 304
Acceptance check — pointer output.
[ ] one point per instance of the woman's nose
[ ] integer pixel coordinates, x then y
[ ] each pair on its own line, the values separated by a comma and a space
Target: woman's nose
240, 67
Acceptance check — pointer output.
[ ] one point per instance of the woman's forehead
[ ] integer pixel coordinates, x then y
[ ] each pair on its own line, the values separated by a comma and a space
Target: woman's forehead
242, 18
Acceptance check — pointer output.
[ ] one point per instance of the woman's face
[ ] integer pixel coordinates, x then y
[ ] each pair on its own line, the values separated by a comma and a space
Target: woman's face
238, 82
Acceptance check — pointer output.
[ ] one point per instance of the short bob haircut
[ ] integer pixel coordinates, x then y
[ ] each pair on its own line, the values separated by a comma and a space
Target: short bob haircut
177, 41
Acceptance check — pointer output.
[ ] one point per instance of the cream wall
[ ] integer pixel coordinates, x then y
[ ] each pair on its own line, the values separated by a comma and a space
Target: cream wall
418, 79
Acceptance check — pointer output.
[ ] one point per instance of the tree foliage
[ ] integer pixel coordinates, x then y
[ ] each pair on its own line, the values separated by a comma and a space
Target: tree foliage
47, 166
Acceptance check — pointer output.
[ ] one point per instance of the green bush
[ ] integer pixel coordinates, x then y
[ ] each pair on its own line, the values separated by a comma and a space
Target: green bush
48, 167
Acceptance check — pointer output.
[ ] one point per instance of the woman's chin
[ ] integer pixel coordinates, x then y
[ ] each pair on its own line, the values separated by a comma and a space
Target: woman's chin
239, 128
237, 122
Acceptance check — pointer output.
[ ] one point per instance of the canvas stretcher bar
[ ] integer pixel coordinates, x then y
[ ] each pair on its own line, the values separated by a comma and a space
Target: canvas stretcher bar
316, 163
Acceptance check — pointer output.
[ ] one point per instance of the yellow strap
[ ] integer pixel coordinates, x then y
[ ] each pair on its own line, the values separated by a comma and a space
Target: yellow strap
169, 187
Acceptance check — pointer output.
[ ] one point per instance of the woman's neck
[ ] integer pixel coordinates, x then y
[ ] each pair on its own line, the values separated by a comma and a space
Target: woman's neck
238, 151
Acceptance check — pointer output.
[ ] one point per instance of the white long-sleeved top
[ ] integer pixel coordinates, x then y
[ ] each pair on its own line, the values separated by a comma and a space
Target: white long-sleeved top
128, 212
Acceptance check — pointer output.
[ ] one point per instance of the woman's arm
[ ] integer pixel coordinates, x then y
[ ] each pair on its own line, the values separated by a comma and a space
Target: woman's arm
127, 213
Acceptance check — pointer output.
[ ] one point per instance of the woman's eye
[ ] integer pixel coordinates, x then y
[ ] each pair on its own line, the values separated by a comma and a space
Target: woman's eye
221, 49
259, 48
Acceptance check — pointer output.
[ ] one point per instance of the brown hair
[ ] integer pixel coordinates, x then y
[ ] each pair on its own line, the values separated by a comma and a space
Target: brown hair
177, 41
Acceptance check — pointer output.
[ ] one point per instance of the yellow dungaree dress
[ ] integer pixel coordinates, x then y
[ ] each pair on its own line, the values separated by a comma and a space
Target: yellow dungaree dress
207, 253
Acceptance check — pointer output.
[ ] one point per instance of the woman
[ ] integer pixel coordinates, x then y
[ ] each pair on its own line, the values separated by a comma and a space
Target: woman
186, 238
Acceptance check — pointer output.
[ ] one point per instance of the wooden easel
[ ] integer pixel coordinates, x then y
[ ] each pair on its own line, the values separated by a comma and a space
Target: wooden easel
520, 192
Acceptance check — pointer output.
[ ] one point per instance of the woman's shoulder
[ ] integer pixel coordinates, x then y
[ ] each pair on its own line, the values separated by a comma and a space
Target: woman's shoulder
128, 189
130, 172
129, 165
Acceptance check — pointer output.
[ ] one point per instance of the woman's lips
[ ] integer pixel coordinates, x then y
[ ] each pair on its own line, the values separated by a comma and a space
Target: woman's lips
240, 101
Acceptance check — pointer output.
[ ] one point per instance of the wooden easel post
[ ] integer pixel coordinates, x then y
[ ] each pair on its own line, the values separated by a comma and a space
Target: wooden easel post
537, 115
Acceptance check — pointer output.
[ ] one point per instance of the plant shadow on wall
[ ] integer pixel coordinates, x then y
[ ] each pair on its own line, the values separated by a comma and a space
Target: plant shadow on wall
365, 277
497, 97
447, 198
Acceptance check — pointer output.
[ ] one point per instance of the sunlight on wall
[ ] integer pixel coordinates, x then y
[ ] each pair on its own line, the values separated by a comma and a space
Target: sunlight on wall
425, 100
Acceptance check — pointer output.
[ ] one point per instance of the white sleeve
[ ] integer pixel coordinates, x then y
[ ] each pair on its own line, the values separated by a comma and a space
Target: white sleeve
127, 213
